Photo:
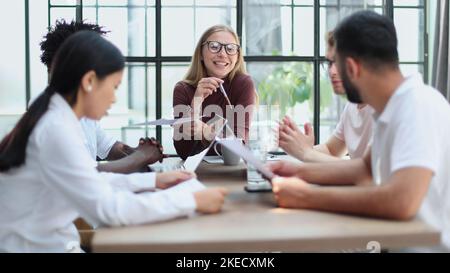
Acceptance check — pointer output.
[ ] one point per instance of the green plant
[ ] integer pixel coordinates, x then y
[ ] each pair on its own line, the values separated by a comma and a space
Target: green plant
292, 83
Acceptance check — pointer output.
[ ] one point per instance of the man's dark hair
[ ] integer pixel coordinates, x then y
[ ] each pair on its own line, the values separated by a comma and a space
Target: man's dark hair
369, 37
59, 33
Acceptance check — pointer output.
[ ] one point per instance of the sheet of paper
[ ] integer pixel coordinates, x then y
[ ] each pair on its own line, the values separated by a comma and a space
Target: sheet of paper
215, 159
164, 121
237, 147
191, 163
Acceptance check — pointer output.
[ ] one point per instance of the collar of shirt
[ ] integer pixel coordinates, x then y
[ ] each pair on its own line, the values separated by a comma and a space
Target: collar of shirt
57, 102
409, 83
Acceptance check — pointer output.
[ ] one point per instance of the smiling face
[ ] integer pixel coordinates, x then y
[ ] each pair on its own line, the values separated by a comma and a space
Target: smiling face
102, 96
219, 64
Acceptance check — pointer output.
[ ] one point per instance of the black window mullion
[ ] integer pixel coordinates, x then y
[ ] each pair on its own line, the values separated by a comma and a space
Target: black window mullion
146, 69
316, 82
279, 58
79, 11
158, 67
169, 59
389, 8
239, 19
48, 14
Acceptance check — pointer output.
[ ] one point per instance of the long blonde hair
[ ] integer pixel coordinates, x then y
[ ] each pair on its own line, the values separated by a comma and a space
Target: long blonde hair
197, 69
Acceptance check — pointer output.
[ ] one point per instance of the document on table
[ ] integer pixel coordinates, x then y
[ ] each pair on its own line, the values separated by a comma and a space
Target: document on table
193, 161
215, 159
236, 146
164, 121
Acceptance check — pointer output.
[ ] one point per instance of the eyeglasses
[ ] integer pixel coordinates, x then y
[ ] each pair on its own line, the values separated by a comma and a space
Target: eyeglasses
328, 64
216, 47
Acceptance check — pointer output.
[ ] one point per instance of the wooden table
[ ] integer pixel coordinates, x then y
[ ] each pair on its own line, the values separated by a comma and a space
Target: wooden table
251, 222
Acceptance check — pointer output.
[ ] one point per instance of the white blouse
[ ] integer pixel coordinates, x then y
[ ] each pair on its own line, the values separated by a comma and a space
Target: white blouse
59, 182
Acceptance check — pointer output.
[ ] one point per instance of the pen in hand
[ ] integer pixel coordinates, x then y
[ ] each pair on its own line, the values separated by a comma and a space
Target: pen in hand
222, 90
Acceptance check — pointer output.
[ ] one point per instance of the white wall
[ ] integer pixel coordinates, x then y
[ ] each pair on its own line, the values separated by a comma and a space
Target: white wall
12, 64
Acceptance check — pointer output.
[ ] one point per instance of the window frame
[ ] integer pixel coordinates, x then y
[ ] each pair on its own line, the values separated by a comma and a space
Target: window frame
158, 59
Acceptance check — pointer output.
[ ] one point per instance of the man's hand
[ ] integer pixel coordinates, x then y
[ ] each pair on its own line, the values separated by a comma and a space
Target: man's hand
293, 141
169, 179
285, 168
291, 192
150, 150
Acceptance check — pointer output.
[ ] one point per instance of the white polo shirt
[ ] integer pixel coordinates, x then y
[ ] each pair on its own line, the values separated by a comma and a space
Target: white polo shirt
355, 129
414, 131
96, 140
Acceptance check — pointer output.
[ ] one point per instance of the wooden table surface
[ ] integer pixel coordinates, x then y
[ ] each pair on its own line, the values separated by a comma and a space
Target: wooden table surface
251, 222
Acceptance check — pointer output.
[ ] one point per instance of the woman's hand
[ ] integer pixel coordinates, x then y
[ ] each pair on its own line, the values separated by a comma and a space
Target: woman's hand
206, 87
169, 179
293, 141
210, 200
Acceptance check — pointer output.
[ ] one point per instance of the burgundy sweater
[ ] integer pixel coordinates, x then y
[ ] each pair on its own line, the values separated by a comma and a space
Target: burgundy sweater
240, 91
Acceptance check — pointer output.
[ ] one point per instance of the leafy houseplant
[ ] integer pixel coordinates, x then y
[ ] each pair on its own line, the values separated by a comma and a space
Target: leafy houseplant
292, 83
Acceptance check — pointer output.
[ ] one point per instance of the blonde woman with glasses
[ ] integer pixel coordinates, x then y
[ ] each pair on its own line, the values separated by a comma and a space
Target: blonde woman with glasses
216, 77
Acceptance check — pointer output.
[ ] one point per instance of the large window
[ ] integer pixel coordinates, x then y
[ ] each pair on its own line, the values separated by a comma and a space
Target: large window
283, 43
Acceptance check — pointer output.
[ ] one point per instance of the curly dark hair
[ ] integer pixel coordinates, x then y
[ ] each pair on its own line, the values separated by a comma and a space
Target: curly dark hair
59, 33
